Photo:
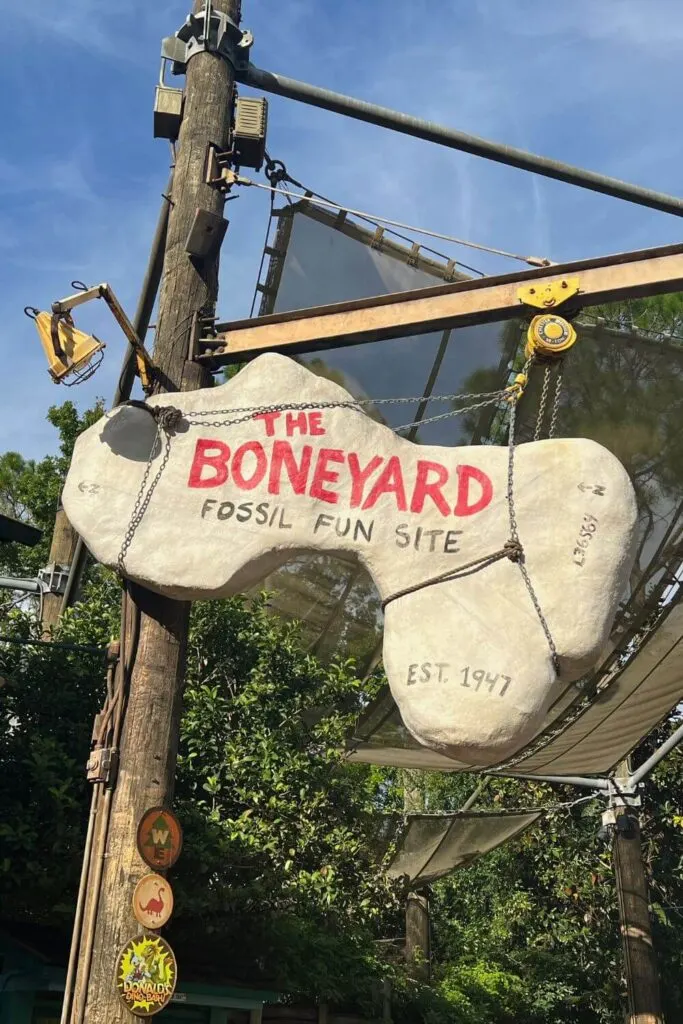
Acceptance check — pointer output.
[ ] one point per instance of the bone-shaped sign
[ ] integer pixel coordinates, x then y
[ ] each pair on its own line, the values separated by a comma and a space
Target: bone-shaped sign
467, 659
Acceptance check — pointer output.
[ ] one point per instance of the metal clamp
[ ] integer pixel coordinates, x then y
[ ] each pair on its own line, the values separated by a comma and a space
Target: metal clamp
210, 31
623, 794
101, 765
53, 578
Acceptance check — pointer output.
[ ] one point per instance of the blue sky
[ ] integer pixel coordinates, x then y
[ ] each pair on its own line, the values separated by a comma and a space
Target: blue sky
594, 83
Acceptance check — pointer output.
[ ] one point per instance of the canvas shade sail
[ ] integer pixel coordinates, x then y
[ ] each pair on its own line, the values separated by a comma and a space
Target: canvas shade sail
623, 387
433, 845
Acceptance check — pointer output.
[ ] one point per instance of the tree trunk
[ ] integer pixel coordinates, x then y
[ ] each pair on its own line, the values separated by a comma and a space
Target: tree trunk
150, 733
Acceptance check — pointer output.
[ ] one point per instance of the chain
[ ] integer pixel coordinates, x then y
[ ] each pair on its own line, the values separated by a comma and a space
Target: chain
256, 410
450, 414
167, 419
542, 404
514, 536
556, 401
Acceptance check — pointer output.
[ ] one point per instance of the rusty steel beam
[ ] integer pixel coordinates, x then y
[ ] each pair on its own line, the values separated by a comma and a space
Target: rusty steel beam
606, 279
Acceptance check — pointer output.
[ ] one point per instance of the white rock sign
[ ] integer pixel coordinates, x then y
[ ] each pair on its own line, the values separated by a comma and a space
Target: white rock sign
468, 660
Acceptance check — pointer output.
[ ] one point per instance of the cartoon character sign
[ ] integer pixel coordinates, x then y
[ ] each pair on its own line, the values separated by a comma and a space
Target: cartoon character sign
146, 975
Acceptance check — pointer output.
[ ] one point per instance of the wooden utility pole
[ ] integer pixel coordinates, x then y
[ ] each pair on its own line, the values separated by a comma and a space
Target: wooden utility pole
417, 947
640, 960
150, 734
64, 539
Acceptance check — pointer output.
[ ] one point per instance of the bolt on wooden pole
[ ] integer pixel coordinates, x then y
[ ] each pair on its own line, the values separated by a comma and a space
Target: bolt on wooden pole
150, 734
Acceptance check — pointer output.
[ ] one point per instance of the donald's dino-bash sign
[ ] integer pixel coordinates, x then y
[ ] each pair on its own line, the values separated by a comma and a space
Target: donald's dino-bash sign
279, 461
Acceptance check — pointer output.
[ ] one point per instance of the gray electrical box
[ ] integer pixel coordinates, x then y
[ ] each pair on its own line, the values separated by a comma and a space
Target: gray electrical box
249, 139
168, 112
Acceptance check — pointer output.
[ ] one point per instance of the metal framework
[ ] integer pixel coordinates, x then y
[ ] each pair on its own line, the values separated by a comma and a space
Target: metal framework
606, 279
462, 303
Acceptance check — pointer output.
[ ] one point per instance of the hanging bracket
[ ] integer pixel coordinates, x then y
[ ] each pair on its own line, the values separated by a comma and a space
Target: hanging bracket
550, 295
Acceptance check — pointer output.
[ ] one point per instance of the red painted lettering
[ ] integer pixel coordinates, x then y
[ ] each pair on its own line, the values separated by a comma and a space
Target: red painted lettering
359, 476
315, 424
218, 462
323, 475
390, 481
425, 489
298, 475
248, 483
465, 474
269, 420
298, 422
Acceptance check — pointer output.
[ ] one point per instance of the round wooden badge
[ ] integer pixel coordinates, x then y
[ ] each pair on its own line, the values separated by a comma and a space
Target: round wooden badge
146, 974
160, 838
153, 901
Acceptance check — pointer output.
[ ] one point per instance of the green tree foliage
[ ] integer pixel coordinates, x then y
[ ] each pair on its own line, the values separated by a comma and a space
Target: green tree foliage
269, 808
30, 490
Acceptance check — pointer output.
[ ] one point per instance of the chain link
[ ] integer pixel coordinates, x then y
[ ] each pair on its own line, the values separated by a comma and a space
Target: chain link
450, 414
514, 537
165, 430
257, 410
542, 403
556, 401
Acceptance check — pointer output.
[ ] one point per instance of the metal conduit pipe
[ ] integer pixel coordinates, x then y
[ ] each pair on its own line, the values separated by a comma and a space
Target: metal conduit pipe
29, 586
563, 780
453, 139
648, 766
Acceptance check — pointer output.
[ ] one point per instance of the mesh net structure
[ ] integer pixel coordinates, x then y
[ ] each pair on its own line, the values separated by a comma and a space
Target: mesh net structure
623, 387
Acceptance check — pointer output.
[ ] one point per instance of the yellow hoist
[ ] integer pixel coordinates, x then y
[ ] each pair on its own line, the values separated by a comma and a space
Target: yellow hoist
74, 356
549, 336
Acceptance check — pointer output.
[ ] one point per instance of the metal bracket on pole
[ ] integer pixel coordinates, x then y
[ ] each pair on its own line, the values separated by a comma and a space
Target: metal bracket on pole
623, 793
210, 31
218, 172
623, 804
53, 578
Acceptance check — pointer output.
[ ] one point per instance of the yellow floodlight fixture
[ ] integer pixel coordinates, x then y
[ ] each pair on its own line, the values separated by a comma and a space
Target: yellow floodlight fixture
72, 355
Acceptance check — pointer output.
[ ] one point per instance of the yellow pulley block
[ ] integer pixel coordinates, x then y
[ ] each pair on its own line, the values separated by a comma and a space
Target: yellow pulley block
69, 352
549, 337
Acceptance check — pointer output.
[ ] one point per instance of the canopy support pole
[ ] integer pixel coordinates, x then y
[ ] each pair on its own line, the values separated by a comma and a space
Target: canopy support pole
384, 117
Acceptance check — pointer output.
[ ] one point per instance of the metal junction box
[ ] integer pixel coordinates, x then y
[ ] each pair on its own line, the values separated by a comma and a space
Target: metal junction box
168, 112
249, 139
